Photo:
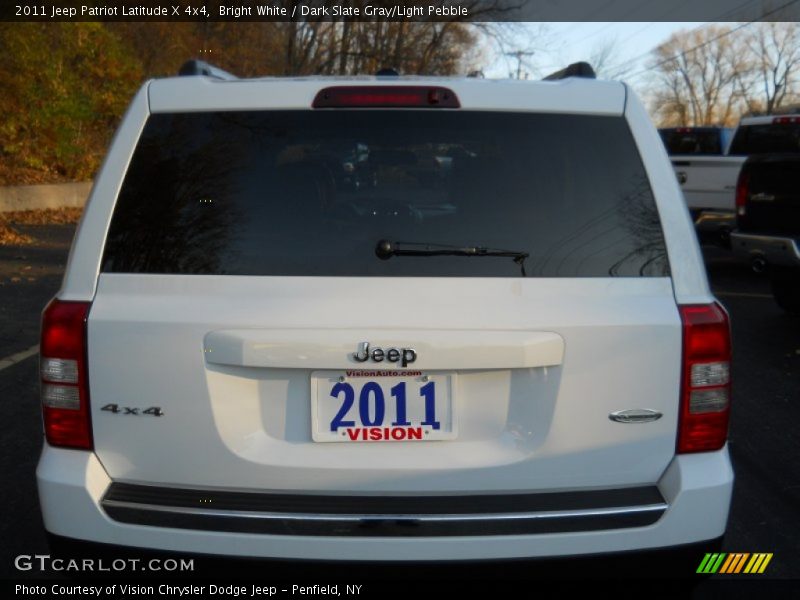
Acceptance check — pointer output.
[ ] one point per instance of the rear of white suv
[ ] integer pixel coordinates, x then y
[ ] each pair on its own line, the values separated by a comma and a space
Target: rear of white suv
500, 343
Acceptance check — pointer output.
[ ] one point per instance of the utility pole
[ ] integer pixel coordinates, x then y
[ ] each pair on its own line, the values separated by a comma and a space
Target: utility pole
519, 55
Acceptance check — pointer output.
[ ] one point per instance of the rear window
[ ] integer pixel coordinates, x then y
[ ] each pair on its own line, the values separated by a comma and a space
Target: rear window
312, 192
768, 138
693, 141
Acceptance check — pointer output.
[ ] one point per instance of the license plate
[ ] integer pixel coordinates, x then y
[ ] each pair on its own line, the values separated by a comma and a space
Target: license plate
382, 406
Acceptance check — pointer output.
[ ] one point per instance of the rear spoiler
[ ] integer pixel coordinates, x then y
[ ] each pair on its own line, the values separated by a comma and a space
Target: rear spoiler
200, 67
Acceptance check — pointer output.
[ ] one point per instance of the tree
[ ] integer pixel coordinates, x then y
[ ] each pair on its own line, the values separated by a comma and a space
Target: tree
524, 47
65, 86
715, 74
772, 80
607, 61
347, 48
697, 76
158, 47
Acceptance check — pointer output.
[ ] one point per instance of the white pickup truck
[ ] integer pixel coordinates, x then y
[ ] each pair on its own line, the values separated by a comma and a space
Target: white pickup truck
709, 180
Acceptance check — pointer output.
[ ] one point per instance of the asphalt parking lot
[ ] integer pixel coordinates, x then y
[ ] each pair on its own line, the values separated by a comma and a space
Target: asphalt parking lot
764, 438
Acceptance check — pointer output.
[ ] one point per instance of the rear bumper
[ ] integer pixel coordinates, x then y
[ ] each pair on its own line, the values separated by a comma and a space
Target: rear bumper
713, 220
383, 516
714, 226
779, 251
696, 492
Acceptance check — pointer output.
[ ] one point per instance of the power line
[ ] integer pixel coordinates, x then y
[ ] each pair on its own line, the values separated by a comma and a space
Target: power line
598, 10
715, 38
735, 10
601, 30
670, 9
662, 16
620, 68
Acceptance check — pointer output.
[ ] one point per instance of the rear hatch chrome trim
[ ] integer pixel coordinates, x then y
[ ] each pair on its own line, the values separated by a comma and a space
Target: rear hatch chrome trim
384, 516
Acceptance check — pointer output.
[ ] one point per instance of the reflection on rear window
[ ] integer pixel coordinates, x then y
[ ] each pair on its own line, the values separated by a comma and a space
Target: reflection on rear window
312, 193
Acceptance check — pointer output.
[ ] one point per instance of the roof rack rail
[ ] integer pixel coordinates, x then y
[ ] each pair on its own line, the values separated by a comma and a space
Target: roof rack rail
578, 69
200, 67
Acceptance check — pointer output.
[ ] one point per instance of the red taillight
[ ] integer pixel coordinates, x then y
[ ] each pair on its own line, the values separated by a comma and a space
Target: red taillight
386, 97
706, 382
785, 120
64, 376
742, 190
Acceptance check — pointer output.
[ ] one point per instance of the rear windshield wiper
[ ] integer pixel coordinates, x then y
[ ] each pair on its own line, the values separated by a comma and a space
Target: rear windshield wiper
386, 249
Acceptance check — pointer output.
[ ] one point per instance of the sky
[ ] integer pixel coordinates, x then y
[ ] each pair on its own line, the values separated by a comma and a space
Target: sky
565, 43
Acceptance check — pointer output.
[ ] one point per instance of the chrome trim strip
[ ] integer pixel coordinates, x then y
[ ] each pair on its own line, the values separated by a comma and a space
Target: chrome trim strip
383, 525
635, 415
281, 501
247, 514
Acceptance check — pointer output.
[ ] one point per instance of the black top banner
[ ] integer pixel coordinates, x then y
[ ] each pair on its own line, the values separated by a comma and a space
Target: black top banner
401, 10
